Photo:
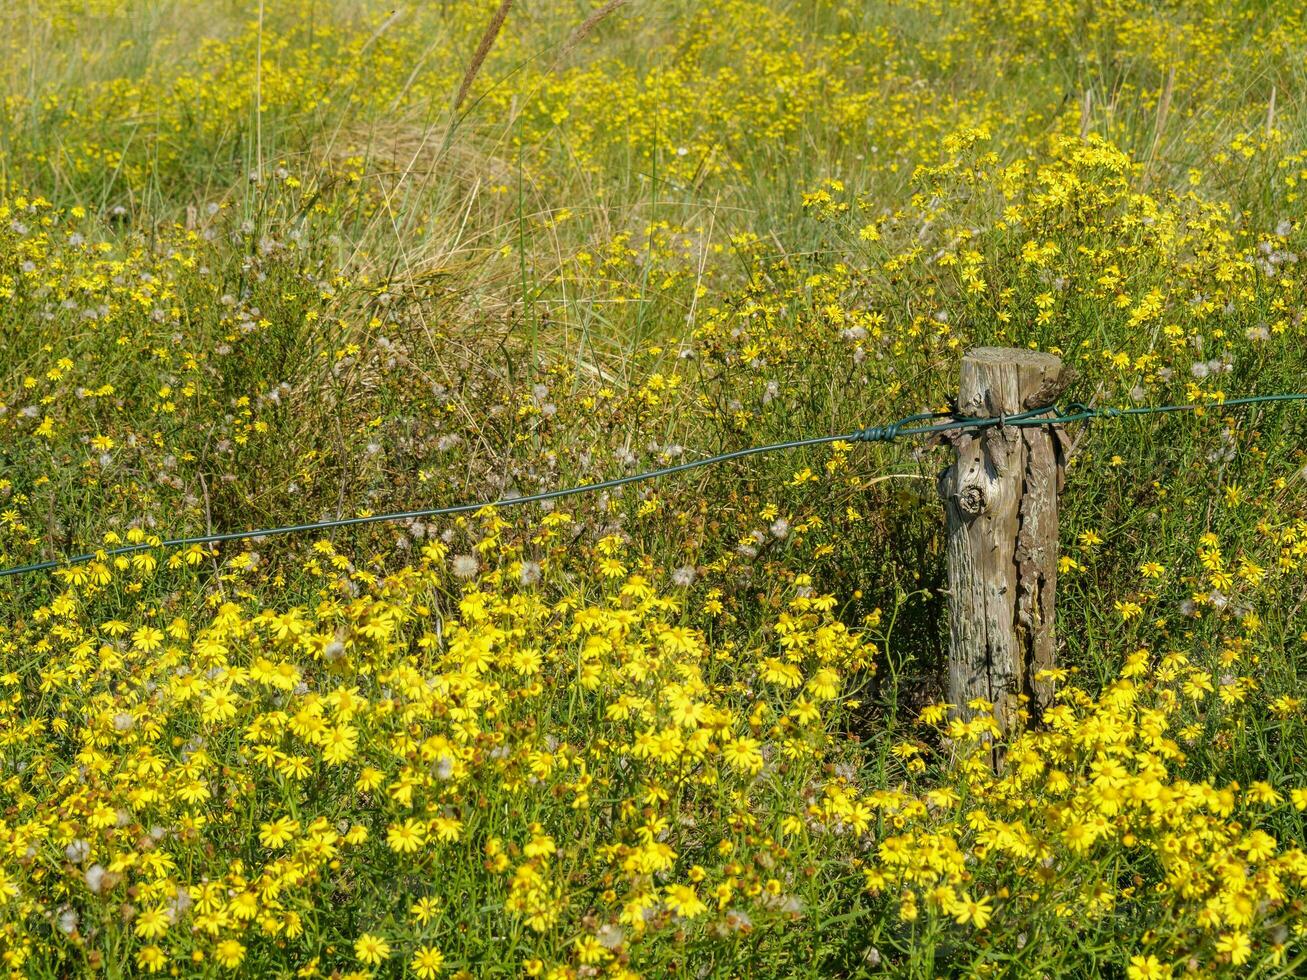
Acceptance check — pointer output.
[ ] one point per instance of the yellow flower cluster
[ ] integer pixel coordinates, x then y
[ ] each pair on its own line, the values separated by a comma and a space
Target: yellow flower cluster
395, 725
1081, 812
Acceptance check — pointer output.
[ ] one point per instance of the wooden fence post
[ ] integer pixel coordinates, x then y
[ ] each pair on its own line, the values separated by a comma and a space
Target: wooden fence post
1001, 501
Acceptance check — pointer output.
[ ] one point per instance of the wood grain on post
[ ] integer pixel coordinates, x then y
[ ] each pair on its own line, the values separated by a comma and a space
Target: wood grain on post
1001, 501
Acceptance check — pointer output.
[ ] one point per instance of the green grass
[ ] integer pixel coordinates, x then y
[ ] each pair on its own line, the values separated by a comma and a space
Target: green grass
613, 258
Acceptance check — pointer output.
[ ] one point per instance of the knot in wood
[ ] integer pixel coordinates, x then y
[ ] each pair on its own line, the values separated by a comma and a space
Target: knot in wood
971, 499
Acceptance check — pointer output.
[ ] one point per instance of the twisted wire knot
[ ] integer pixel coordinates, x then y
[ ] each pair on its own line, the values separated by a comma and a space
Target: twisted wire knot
879, 433
1089, 411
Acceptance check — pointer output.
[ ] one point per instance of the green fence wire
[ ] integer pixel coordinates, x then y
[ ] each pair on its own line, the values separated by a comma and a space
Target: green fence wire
909, 426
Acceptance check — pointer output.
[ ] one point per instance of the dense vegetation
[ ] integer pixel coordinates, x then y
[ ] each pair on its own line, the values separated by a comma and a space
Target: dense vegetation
272, 261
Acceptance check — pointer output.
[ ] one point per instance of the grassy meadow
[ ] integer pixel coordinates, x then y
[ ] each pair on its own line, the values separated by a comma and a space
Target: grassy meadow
265, 262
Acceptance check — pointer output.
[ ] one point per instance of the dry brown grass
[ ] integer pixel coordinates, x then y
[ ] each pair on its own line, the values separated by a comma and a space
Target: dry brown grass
483, 50
584, 30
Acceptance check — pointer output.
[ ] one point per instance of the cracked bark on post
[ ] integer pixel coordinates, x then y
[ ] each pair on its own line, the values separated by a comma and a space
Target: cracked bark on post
1000, 496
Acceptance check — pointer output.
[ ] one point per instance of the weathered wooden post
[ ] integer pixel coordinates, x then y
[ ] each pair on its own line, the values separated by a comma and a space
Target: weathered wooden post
1001, 501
